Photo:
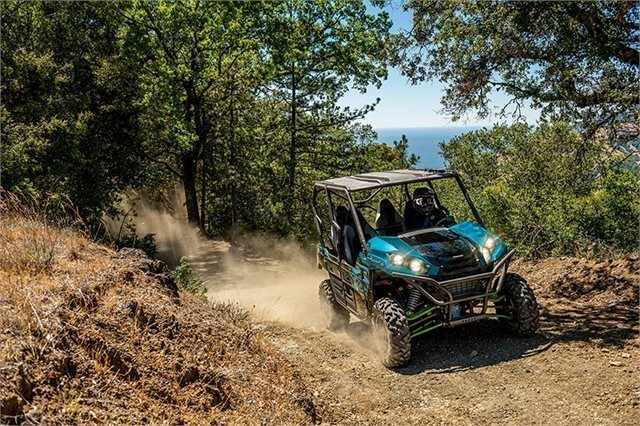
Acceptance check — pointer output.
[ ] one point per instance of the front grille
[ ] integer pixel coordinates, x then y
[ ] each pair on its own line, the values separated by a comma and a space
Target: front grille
452, 272
467, 288
459, 266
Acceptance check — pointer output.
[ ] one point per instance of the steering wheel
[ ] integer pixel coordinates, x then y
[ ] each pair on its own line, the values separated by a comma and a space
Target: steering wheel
448, 220
445, 221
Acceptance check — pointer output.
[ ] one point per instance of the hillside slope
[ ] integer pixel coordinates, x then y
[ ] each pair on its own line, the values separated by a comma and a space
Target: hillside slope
91, 335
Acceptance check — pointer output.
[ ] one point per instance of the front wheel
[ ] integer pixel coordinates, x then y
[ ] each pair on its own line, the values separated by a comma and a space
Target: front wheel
391, 332
336, 317
519, 306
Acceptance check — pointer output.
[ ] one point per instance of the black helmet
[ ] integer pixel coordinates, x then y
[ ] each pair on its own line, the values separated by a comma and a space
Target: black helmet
424, 199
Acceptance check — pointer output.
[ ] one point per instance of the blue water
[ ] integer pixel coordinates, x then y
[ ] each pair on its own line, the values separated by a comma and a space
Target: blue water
423, 141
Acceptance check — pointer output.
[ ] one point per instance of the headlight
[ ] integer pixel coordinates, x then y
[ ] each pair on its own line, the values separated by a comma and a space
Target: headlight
417, 266
486, 253
397, 259
487, 249
490, 243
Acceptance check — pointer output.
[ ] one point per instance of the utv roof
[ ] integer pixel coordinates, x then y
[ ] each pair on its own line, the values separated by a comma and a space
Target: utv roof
380, 179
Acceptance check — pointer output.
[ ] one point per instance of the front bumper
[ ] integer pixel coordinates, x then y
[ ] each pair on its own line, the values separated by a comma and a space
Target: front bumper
474, 287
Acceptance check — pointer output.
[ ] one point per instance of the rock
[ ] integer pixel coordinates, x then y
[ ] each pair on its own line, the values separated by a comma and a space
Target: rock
625, 355
615, 363
474, 353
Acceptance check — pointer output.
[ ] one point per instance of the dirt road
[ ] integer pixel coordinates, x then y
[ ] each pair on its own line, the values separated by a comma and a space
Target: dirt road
471, 375
582, 368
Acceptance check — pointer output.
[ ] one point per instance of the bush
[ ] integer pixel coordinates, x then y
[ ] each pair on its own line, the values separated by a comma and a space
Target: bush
128, 237
538, 188
185, 279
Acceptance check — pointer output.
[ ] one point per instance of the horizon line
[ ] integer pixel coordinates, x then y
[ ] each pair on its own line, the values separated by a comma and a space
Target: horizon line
432, 127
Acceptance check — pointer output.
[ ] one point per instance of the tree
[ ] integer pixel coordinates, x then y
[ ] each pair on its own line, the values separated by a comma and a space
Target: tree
69, 121
318, 50
577, 60
536, 188
180, 45
235, 100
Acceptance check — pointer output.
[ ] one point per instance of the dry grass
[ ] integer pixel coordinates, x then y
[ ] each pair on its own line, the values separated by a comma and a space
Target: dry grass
90, 335
36, 235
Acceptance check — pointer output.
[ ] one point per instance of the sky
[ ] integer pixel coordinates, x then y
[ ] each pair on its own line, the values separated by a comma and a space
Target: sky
403, 105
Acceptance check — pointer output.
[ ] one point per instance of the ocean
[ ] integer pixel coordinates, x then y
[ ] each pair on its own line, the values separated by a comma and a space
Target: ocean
423, 141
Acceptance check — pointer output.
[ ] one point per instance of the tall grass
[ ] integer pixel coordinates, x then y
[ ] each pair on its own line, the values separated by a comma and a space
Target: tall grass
34, 234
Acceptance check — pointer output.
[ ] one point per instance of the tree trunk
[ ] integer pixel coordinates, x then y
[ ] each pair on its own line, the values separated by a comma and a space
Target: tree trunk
233, 160
194, 110
203, 188
189, 174
189, 160
292, 143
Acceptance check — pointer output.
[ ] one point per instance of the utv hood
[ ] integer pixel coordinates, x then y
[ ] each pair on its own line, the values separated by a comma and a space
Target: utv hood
450, 252
453, 254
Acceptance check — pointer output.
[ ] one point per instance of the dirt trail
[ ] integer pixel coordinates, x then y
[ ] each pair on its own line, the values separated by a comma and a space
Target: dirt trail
582, 368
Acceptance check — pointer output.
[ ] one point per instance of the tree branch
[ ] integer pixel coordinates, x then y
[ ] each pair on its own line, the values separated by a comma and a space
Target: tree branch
164, 163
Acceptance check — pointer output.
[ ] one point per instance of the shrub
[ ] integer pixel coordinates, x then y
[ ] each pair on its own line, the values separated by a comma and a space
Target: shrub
185, 279
128, 237
538, 188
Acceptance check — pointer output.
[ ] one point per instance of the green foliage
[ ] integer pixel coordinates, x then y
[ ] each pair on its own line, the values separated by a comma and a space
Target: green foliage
68, 124
537, 188
129, 238
234, 100
183, 275
576, 60
548, 189
611, 214
314, 52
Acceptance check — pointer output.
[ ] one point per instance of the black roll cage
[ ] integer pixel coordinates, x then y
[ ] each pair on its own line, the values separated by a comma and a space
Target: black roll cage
344, 192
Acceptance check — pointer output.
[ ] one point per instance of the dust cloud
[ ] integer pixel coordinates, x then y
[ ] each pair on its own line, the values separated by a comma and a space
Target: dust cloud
274, 278
174, 236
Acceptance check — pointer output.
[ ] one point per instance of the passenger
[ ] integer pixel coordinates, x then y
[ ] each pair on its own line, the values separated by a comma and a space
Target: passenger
421, 212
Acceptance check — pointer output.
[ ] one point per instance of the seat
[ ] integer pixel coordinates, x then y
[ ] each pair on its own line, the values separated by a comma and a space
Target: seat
341, 217
388, 220
351, 244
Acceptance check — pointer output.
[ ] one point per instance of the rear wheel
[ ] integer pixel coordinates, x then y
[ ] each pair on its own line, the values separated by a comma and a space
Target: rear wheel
519, 305
391, 332
335, 315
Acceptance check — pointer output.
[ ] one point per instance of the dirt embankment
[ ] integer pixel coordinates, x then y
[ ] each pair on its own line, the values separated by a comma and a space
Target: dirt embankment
89, 335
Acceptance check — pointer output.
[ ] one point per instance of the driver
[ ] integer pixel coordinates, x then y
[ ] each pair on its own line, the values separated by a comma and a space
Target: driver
421, 211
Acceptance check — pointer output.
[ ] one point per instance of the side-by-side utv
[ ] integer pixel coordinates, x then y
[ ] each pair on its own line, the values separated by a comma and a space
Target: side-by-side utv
398, 259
